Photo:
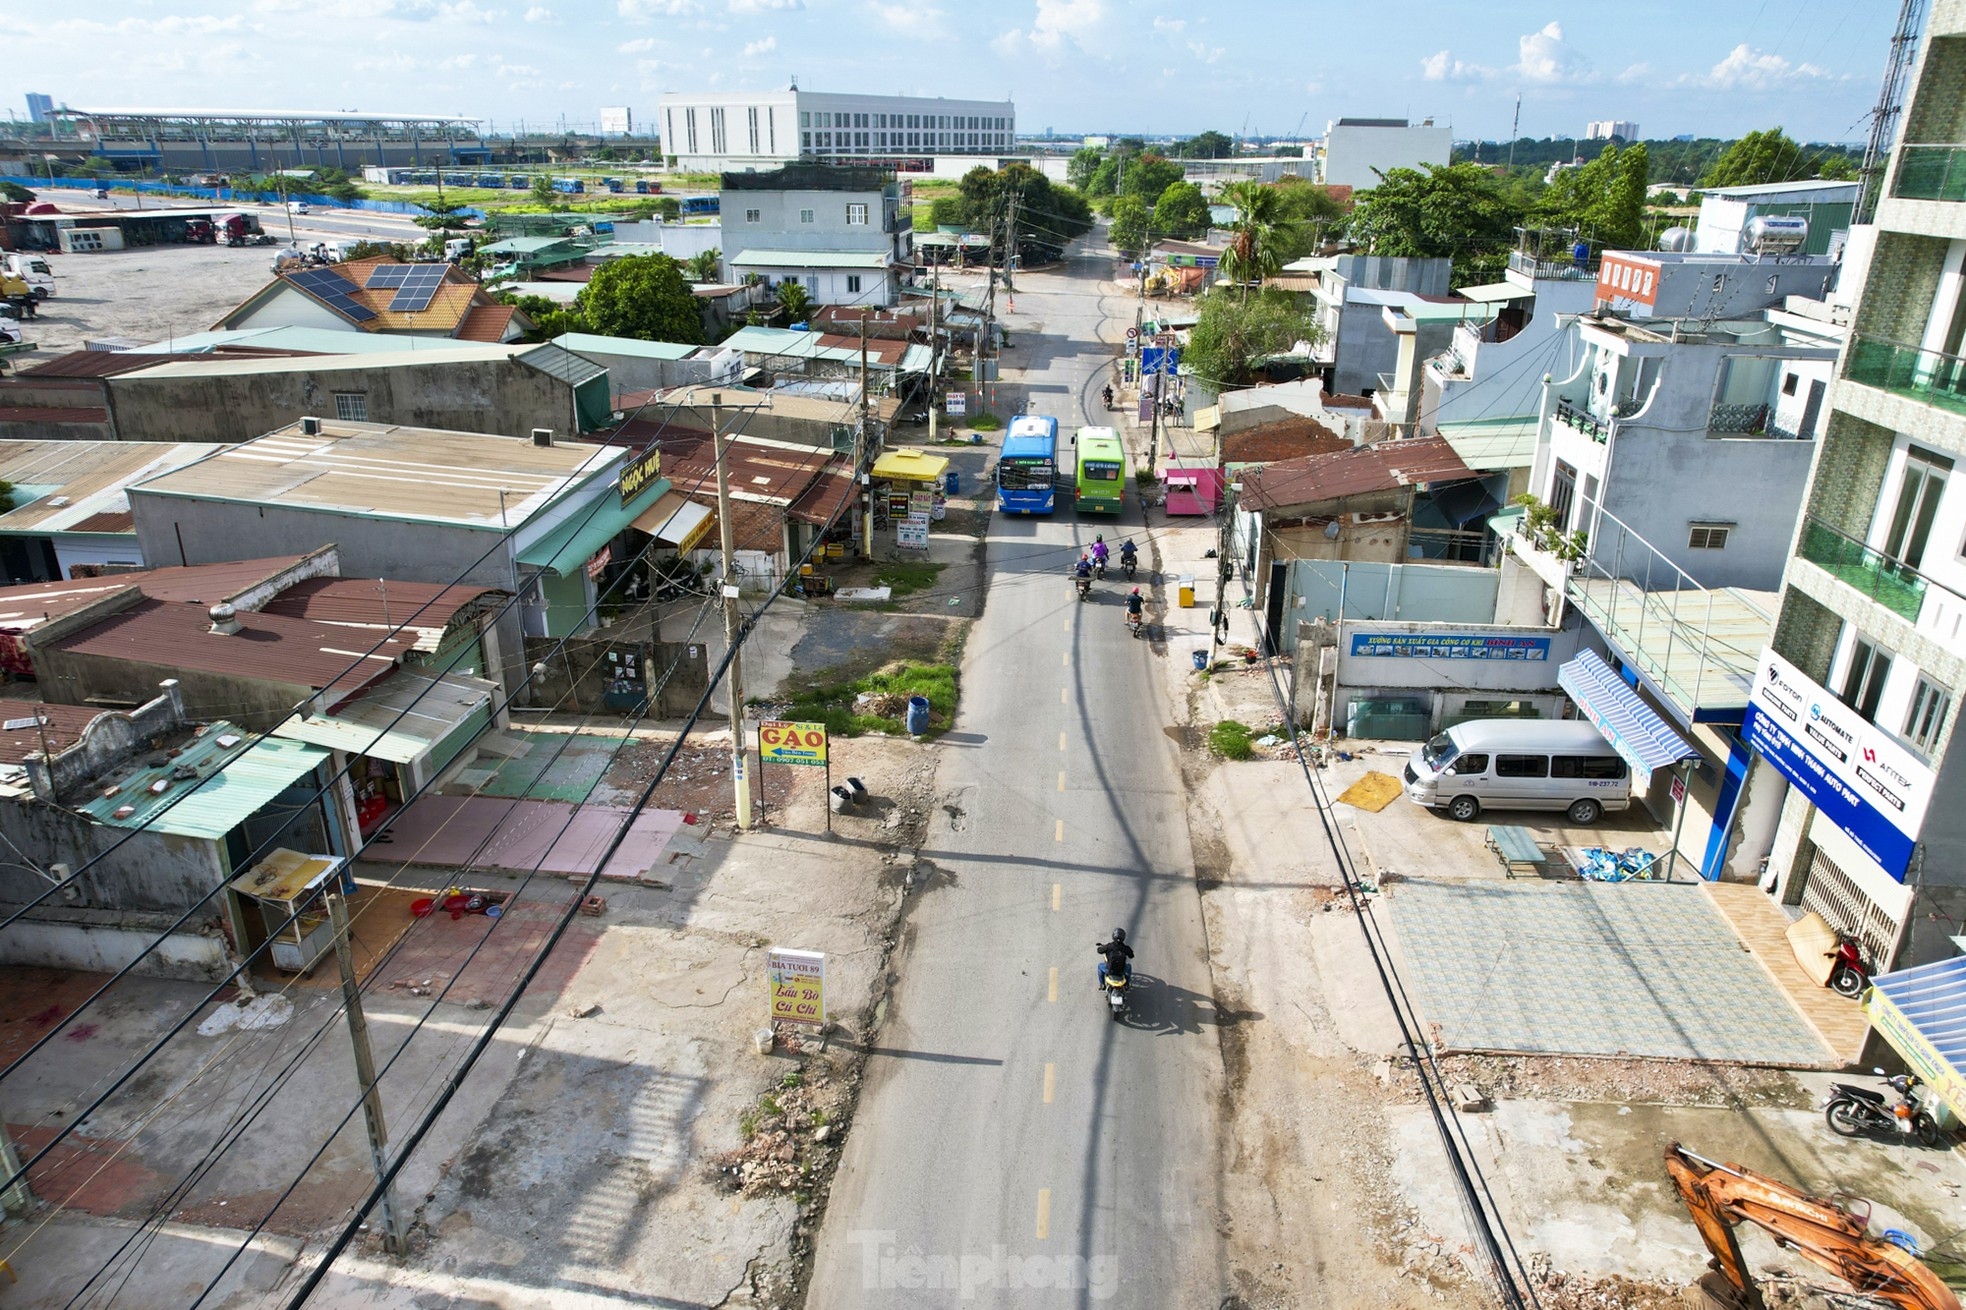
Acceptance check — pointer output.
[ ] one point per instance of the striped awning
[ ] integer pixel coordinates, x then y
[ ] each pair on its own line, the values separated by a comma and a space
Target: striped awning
1921, 1012
1634, 730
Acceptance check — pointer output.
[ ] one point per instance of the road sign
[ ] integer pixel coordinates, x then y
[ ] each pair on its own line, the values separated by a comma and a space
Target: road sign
1133, 334
792, 743
1678, 790
798, 986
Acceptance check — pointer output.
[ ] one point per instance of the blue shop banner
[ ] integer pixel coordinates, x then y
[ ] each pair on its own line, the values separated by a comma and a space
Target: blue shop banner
1863, 823
1448, 646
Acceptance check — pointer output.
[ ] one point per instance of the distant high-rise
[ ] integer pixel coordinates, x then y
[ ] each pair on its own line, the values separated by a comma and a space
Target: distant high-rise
40, 108
1604, 129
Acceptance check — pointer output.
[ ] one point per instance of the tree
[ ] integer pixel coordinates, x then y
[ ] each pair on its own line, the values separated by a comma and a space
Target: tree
443, 219
1206, 145
1079, 170
1132, 224
1758, 159
705, 265
1148, 176
1458, 211
1234, 333
1181, 211
1047, 216
16, 193
550, 319
1307, 212
794, 300
643, 297
542, 189
1604, 201
1837, 168
1253, 252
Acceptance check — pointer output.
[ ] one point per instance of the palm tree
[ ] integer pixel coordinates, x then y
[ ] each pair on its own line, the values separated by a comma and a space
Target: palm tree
793, 299
1252, 252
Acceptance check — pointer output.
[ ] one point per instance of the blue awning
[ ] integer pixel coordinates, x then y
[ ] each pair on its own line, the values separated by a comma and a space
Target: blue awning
1921, 1012
1627, 722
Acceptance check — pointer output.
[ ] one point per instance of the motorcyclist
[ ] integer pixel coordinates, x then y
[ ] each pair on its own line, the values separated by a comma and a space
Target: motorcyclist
1082, 574
1129, 556
1117, 953
1100, 552
1107, 395
1135, 605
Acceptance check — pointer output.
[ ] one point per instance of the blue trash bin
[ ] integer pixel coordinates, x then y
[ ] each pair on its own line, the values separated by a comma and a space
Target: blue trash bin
917, 720
1201, 660
952, 482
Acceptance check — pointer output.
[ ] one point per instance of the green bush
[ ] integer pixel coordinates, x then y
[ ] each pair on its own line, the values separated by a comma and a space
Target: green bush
838, 706
985, 422
1232, 740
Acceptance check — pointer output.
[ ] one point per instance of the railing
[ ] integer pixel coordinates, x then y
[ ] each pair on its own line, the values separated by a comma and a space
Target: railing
1748, 421
1926, 375
1891, 583
1931, 172
1580, 420
1550, 269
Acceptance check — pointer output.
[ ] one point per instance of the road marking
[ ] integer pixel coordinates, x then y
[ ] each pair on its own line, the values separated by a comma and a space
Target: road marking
1061, 780
1044, 1213
1050, 1078
1051, 992
1063, 692
1055, 891
1061, 741
1059, 833
1065, 658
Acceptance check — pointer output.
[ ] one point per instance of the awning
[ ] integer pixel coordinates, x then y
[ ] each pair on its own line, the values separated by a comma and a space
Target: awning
1493, 292
909, 465
567, 548
1208, 418
1627, 722
1921, 1012
1490, 445
402, 720
675, 520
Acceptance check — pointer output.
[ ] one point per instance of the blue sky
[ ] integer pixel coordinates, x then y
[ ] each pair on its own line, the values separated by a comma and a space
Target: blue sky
1715, 67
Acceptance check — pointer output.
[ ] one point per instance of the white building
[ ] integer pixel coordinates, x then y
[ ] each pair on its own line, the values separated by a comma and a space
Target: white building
1606, 128
1357, 150
738, 131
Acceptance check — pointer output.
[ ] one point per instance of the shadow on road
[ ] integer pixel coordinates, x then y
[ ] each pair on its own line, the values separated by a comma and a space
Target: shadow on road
1160, 1007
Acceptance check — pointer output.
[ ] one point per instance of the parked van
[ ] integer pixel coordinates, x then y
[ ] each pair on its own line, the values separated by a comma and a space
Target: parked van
1520, 764
33, 270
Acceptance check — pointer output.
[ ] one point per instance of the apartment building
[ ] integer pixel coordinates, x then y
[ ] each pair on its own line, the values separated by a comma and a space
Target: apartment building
734, 131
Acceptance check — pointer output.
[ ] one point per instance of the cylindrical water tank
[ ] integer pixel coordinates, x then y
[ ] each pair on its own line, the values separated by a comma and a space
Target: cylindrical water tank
1676, 239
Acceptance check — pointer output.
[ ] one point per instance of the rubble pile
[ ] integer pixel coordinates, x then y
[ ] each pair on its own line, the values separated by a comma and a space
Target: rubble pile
788, 1135
1560, 1291
1608, 1079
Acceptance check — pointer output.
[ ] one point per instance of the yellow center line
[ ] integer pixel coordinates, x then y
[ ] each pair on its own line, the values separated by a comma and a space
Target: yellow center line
1061, 741
1051, 991
1059, 834
1044, 1213
1062, 691
1054, 895
1065, 658
1061, 780
1050, 1081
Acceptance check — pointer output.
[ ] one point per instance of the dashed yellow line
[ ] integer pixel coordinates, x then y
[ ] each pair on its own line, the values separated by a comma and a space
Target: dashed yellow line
1062, 693
1065, 658
1044, 1213
1058, 834
1051, 989
1056, 891
1061, 741
1050, 1081
1061, 780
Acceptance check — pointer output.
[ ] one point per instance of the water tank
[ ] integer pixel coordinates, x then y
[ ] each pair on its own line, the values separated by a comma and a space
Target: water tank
1777, 234
1676, 239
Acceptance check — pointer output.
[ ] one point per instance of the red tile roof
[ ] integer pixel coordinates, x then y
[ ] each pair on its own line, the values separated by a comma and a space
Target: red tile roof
62, 727
1382, 466
485, 323
32, 604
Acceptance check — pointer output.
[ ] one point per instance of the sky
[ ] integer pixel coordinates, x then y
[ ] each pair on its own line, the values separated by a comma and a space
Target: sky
1265, 67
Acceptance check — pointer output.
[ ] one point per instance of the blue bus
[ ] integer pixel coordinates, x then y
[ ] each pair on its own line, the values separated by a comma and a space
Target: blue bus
1027, 472
695, 205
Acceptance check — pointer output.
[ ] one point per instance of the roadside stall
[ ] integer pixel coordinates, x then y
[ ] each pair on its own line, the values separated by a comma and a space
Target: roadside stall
906, 485
287, 886
1192, 489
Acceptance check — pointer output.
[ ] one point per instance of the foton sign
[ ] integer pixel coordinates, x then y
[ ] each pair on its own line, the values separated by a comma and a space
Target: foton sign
1624, 277
1872, 788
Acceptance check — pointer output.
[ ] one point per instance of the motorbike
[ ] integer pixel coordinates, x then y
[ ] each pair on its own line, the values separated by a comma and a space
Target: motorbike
1099, 569
1107, 396
1115, 987
1134, 623
1857, 1111
1127, 564
1848, 975
1084, 584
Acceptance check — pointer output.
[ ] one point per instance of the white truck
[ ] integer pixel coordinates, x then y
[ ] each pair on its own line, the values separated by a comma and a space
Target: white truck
32, 269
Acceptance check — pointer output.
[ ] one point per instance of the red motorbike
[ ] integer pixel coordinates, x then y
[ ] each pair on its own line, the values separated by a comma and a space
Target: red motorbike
1848, 974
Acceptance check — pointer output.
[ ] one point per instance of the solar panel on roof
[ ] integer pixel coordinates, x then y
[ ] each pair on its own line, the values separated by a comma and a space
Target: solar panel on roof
418, 289
389, 275
334, 290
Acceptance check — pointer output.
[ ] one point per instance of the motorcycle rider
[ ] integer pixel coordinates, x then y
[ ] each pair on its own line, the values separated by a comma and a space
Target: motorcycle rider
1082, 573
1135, 605
1100, 552
1117, 953
1129, 556
1106, 394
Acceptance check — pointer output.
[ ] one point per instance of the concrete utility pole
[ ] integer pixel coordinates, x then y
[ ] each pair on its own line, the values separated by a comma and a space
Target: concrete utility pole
740, 775
863, 454
393, 1236
934, 342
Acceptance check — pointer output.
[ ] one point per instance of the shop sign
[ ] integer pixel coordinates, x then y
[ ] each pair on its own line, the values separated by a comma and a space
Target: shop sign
598, 565
1448, 646
912, 531
798, 986
921, 503
792, 743
1870, 787
639, 472
956, 404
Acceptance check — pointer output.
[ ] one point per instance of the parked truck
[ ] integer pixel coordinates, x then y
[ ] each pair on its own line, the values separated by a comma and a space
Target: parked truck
32, 269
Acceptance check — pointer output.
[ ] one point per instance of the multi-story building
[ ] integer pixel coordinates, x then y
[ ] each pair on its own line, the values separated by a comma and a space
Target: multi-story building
1857, 788
40, 108
738, 131
1357, 150
839, 231
1604, 129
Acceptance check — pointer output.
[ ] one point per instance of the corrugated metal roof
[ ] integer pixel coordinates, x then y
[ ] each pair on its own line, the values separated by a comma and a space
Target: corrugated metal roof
555, 361
228, 365
399, 720
101, 363
822, 500
811, 258
61, 726
88, 478
234, 782
589, 343
1382, 466
1493, 443
424, 609
52, 415
29, 605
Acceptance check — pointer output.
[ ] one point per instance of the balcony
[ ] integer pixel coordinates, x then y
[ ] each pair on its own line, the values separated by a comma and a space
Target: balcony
1924, 375
1895, 585
1931, 173
1581, 420
1748, 421
1567, 270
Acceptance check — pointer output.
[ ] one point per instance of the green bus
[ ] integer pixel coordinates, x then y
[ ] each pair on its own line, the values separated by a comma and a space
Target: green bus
1100, 480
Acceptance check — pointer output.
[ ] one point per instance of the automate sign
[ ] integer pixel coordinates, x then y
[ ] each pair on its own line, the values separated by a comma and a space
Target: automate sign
639, 472
1872, 788
792, 743
1448, 646
798, 986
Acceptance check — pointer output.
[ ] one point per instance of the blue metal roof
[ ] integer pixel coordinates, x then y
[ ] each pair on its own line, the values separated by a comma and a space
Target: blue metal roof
233, 782
1627, 722
1921, 1012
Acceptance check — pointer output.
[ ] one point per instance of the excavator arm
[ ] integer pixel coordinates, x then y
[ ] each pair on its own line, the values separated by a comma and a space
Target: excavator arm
1722, 1196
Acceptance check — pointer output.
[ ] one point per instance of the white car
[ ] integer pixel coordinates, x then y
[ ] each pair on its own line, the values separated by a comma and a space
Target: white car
296, 206
11, 332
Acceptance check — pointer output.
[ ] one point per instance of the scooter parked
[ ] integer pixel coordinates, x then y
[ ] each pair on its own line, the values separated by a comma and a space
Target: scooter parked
1858, 1111
1848, 974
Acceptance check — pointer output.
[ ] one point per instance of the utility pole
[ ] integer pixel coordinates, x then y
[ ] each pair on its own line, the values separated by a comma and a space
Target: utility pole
739, 765
863, 450
934, 343
1515, 129
393, 1236
1160, 387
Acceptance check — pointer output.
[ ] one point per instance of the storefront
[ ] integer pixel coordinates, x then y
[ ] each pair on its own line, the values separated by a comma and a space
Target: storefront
1921, 1014
1645, 741
907, 488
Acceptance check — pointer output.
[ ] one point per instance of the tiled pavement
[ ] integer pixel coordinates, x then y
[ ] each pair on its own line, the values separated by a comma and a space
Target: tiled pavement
1647, 969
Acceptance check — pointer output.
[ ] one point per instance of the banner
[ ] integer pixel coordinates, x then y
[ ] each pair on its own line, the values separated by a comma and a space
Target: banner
1448, 646
798, 986
792, 743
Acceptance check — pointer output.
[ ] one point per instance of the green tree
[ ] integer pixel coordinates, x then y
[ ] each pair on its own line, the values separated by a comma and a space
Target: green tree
1047, 216
794, 300
1837, 168
443, 219
1079, 170
549, 318
1148, 176
16, 193
542, 189
1132, 224
1307, 212
1234, 333
1181, 211
1254, 249
643, 297
705, 265
1104, 179
1604, 200
1206, 145
1457, 211
1758, 159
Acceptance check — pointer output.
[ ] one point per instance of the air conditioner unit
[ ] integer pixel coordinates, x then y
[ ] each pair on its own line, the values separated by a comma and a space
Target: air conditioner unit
542, 436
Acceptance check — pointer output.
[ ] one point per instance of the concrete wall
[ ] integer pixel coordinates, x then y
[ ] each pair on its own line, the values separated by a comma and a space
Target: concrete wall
69, 678
108, 943
151, 871
1355, 156
827, 286
780, 225
501, 397
1511, 675
112, 738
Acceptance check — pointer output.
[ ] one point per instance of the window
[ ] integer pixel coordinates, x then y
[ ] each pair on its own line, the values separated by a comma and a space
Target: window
1587, 766
1708, 536
717, 131
1863, 681
1469, 766
1919, 489
753, 113
805, 118
1788, 383
853, 284
1563, 491
1522, 766
805, 216
753, 216
689, 125
1927, 720
351, 406
856, 215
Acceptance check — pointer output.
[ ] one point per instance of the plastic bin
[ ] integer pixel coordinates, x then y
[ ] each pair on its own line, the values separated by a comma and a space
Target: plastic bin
1201, 660
952, 483
917, 720
1185, 591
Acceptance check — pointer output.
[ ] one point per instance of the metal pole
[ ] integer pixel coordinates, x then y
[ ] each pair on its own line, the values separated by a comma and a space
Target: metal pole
17, 1198
726, 533
863, 448
1679, 823
934, 302
393, 1236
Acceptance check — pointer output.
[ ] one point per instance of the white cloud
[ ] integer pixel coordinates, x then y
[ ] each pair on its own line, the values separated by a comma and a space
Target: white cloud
1058, 23
1546, 57
641, 11
541, 14
1442, 66
762, 6
517, 70
911, 19
1746, 70
640, 45
763, 47
1635, 73
1206, 53
1170, 24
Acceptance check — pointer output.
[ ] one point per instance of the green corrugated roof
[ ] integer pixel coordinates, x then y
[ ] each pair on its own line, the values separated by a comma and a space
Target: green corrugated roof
524, 245
566, 549
239, 781
1490, 444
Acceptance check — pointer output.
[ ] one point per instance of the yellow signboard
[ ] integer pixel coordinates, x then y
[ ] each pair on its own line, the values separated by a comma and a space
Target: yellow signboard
798, 986
792, 743
1903, 1036
639, 472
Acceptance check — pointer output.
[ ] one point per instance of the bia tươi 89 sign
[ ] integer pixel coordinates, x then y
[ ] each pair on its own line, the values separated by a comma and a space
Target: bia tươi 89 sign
1872, 788
798, 985
792, 743
1448, 646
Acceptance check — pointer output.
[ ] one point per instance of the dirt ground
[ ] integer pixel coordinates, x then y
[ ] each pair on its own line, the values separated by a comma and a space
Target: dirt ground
149, 294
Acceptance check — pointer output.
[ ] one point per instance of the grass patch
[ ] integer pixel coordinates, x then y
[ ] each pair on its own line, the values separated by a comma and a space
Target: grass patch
906, 577
984, 422
839, 707
1232, 740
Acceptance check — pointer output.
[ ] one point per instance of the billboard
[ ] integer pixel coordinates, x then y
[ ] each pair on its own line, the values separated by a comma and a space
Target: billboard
617, 122
1448, 646
1867, 784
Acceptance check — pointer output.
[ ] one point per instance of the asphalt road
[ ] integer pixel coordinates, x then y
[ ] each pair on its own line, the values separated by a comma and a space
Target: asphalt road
315, 225
1014, 1145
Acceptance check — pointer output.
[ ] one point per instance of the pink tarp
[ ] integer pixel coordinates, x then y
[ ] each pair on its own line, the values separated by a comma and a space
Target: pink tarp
1192, 489
495, 833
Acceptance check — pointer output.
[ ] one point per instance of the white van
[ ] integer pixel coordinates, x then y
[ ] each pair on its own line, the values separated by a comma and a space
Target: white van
32, 269
1520, 764
296, 206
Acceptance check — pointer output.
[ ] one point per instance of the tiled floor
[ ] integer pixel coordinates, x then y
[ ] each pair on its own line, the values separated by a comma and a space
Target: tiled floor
519, 836
1646, 969
1838, 1020
559, 766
